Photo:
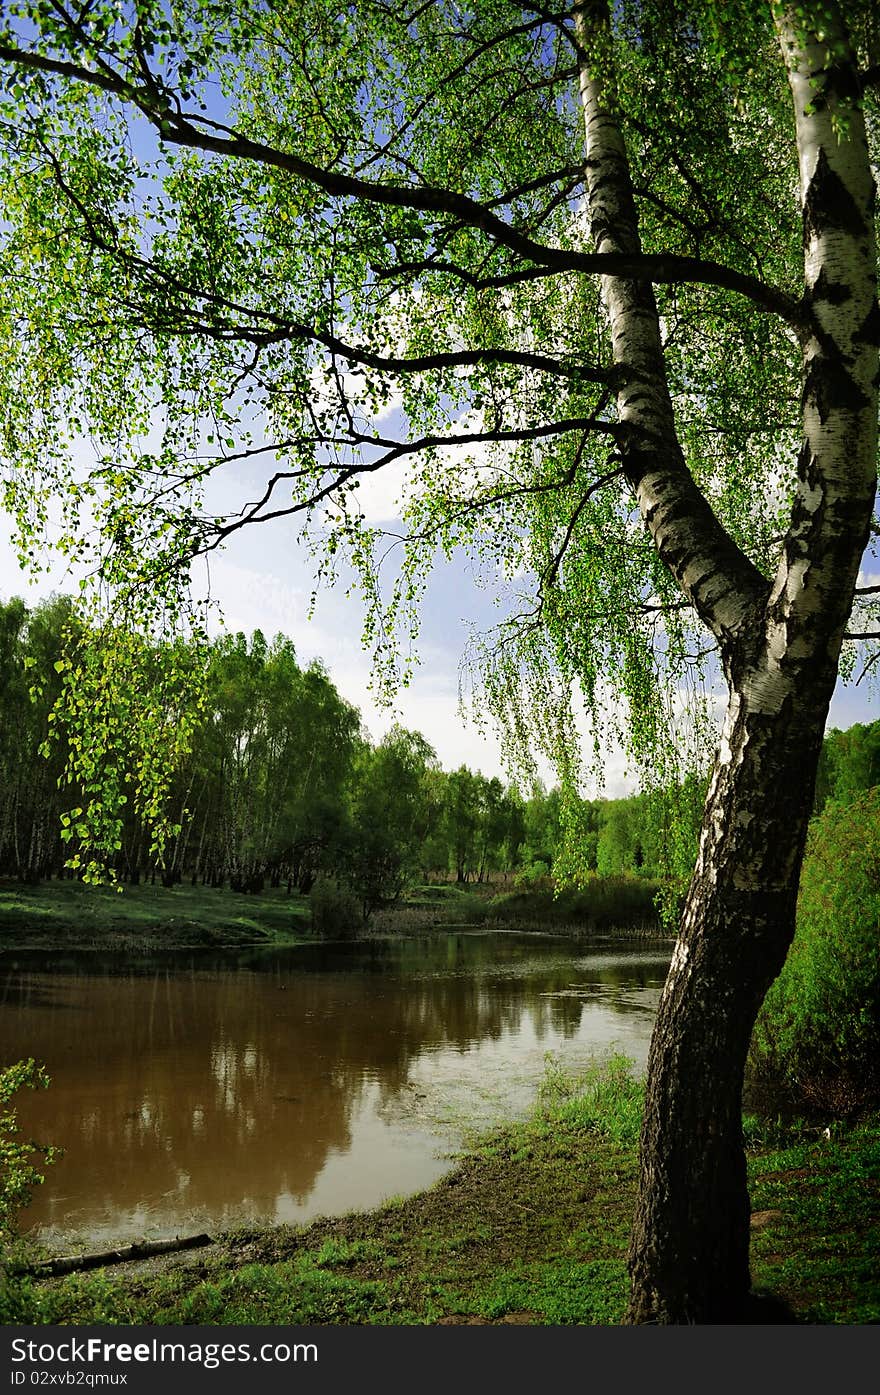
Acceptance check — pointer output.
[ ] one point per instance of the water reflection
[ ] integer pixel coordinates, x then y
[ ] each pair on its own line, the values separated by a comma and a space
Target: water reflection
205, 1088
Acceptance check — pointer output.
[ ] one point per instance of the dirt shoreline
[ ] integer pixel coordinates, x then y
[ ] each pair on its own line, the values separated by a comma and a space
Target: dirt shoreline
530, 1227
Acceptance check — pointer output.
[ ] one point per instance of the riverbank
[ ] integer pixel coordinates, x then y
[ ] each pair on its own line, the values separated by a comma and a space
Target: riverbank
530, 1227
68, 915
622, 905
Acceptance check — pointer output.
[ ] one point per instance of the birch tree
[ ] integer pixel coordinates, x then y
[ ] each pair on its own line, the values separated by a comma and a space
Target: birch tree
603, 279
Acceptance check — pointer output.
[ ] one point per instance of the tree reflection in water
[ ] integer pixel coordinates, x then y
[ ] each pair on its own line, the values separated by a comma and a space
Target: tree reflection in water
209, 1087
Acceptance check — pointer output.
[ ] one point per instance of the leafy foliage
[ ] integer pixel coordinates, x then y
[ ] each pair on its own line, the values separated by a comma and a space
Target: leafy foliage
850, 763
334, 910
322, 244
820, 1023
20, 1159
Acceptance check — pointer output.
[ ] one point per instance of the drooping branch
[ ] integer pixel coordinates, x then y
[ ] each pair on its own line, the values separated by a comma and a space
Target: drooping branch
268, 327
476, 52
419, 363
551, 572
218, 532
193, 130
477, 502
656, 269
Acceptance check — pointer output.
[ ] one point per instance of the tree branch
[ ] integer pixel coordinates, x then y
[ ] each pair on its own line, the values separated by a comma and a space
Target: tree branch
195, 131
550, 574
284, 330
394, 450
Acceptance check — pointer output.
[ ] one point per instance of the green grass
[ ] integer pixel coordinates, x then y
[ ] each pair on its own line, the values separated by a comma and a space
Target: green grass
822, 1252
70, 915
604, 904
530, 1227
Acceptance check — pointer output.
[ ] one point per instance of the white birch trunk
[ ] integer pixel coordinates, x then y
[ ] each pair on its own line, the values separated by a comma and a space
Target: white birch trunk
779, 644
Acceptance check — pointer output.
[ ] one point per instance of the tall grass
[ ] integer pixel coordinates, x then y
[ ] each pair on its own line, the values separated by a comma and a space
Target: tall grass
601, 904
605, 1098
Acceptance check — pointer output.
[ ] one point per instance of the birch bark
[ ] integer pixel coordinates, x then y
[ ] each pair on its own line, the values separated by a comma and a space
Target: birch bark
779, 645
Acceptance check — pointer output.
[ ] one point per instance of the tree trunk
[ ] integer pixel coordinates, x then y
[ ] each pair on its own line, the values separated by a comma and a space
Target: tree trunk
779, 643
689, 1252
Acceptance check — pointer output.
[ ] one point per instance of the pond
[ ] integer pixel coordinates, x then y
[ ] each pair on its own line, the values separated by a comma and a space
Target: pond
206, 1089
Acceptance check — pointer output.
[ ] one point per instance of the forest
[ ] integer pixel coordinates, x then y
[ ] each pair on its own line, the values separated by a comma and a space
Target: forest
282, 786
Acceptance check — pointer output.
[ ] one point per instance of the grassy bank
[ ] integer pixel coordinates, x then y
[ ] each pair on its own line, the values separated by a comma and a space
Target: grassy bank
603, 905
530, 1227
606, 905
69, 915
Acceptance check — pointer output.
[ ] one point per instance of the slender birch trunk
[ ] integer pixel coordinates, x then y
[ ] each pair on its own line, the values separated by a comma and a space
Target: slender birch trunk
779, 645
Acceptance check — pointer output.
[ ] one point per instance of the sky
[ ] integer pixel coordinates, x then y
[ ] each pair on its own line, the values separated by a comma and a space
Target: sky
264, 580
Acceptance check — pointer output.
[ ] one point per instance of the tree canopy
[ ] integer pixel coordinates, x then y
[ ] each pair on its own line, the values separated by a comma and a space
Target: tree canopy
287, 249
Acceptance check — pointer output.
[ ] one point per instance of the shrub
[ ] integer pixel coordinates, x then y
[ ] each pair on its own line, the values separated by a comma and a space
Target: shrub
605, 904
535, 873
819, 1027
335, 912
20, 1164
19, 1173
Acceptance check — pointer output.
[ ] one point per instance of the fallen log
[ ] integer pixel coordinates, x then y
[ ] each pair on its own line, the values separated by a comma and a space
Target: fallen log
70, 1264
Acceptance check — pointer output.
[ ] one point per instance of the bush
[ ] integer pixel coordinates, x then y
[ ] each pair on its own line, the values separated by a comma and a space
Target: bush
605, 904
819, 1027
19, 1173
20, 1163
535, 874
335, 912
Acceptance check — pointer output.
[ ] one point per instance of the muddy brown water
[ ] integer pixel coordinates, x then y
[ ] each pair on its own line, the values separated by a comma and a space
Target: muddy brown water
205, 1089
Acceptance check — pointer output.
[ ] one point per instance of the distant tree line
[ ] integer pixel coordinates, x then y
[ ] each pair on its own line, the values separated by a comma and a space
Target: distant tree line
282, 786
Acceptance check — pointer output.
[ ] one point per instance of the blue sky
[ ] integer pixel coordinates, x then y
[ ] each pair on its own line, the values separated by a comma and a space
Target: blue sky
264, 580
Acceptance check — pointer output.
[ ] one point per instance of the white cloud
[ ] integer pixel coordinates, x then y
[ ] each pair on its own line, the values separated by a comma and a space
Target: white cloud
251, 598
381, 496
